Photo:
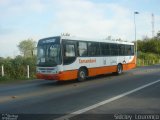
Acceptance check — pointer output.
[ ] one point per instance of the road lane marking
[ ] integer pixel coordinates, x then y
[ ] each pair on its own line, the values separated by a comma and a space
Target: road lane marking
66, 117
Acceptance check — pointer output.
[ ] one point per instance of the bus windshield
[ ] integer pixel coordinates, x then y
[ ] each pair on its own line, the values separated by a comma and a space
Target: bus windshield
48, 55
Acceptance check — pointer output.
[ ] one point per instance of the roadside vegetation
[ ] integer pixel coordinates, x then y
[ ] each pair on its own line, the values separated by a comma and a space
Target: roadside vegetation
149, 50
16, 68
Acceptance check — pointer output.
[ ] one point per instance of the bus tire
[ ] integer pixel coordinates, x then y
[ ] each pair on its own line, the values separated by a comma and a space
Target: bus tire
82, 74
119, 69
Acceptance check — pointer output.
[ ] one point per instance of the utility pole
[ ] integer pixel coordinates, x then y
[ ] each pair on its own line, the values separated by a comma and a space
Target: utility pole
152, 25
135, 33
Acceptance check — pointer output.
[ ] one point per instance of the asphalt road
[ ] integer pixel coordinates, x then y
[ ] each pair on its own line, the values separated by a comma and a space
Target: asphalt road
134, 92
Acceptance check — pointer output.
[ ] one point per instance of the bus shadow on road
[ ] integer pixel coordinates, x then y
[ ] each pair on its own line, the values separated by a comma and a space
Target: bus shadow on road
89, 79
57, 83
104, 76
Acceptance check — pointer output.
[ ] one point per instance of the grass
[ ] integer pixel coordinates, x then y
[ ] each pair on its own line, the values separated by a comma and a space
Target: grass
141, 62
6, 79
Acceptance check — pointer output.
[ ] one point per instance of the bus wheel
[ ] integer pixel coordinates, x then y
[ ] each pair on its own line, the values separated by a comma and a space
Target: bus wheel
119, 69
82, 73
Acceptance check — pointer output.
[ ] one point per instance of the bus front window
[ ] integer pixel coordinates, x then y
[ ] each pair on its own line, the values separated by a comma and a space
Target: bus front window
48, 55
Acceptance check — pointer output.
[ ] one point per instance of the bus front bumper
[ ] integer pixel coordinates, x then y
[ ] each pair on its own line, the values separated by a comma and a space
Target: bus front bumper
48, 76
65, 75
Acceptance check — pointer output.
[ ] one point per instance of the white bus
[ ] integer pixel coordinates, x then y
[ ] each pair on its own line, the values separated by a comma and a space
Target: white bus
68, 58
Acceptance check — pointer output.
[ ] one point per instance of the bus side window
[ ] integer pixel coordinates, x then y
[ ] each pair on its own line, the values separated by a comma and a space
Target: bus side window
128, 50
114, 49
93, 49
105, 50
121, 49
132, 49
69, 52
82, 49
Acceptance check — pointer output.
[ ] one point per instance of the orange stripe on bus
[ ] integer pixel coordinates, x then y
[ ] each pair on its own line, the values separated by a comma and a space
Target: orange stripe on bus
68, 75
101, 70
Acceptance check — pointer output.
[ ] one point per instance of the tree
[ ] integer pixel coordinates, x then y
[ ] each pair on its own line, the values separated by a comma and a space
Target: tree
158, 35
27, 47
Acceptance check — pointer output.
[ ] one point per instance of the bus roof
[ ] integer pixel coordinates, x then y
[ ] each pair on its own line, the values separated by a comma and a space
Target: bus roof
96, 40
87, 39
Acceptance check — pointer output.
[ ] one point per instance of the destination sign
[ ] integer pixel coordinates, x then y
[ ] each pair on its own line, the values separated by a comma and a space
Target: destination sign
48, 41
51, 40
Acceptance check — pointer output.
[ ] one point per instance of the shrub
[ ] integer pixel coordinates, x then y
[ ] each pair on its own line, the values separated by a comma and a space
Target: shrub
17, 68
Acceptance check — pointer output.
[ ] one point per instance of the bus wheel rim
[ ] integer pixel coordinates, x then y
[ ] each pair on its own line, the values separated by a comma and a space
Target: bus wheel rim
119, 69
82, 74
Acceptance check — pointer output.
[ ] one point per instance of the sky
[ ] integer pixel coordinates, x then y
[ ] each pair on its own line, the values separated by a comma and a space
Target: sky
36, 19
